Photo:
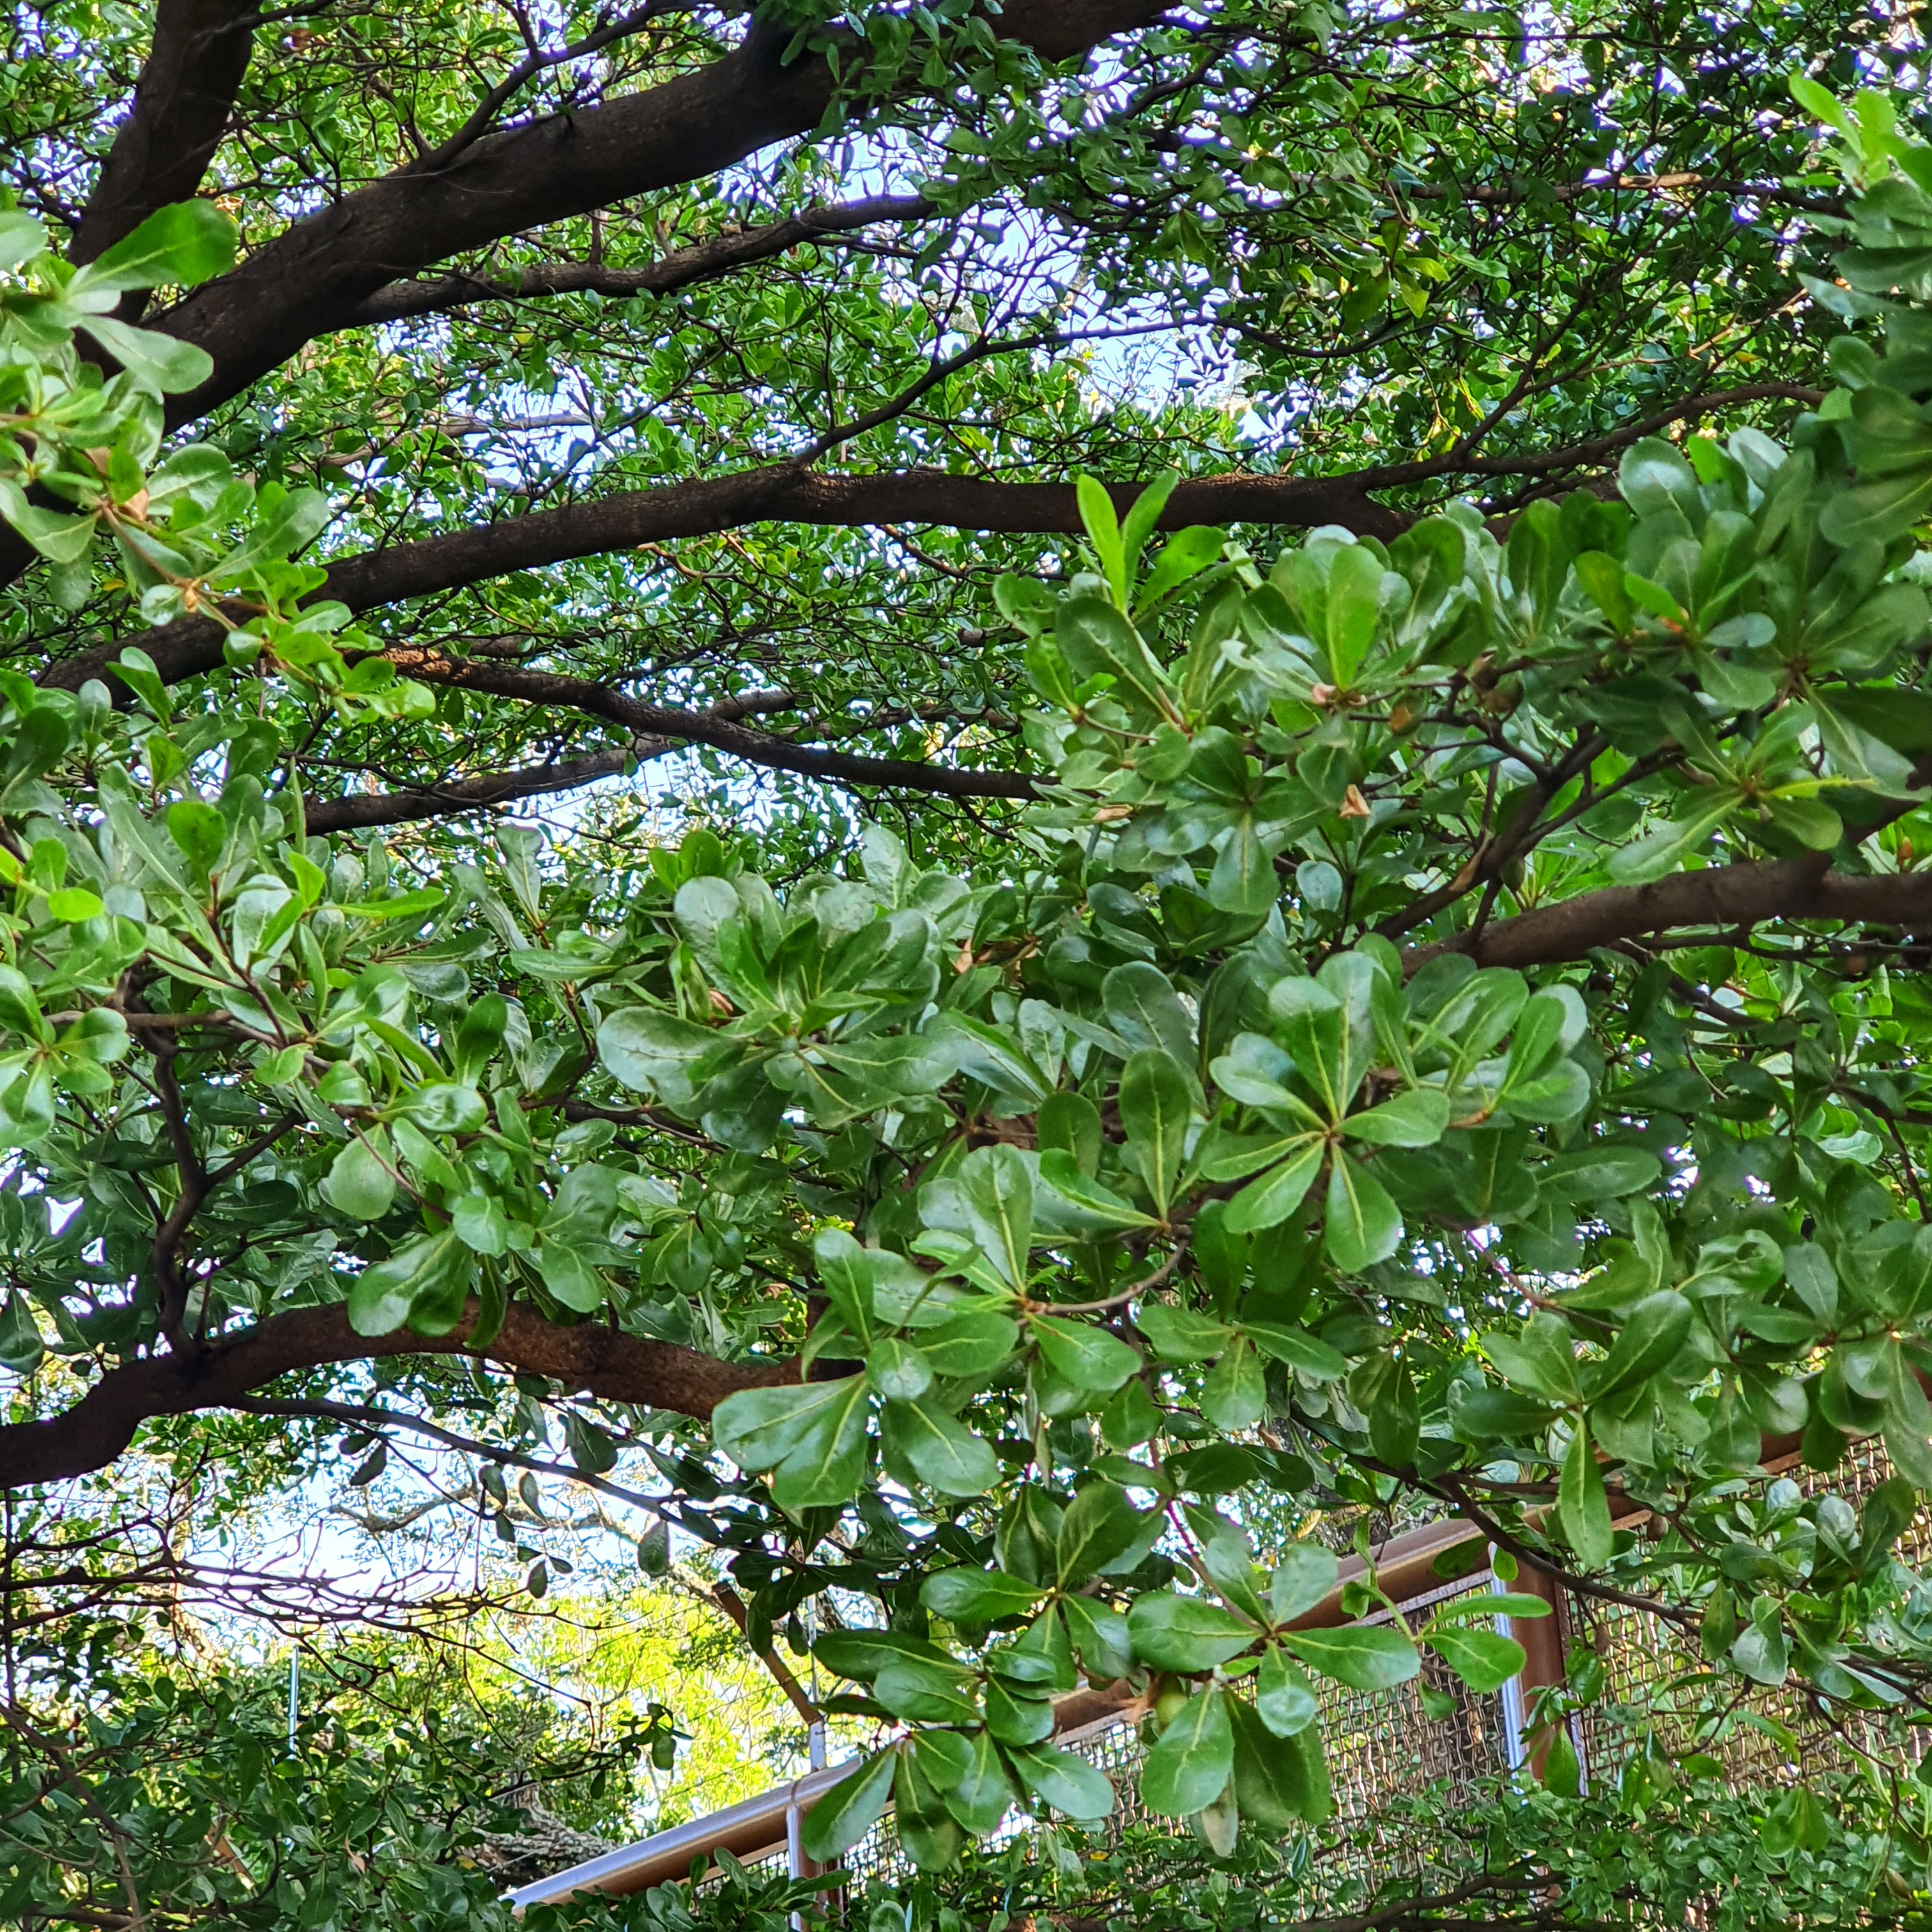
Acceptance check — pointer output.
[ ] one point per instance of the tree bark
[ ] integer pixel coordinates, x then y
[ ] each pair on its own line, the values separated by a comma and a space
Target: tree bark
315, 276
1723, 897
181, 104
100, 1426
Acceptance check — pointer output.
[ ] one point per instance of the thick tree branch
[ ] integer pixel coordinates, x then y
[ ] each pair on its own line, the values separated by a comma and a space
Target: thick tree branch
622, 1368
785, 493
314, 277
1723, 897
705, 261
792, 493
181, 106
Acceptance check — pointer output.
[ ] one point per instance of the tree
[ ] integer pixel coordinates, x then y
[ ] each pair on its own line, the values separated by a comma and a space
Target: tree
1422, 1013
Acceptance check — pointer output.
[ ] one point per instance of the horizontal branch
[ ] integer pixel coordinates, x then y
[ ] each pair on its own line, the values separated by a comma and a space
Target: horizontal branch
355, 812
793, 493
705, 261
1724, 897
780, 492
620, 1368
714, 727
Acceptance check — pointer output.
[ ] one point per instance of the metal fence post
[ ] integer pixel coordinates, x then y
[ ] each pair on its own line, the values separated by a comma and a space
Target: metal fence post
1543, 1641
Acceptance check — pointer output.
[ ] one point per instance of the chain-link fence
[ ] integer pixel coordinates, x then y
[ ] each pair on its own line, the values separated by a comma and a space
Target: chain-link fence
1382, 1747
1655, 1673
1380, 1744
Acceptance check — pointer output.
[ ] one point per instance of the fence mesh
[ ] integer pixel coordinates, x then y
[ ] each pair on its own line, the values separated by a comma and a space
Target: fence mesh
1655, 1675
1380, 1744
1384, 1746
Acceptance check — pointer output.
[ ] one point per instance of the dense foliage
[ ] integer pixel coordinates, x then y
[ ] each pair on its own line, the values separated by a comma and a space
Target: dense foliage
1422, 1016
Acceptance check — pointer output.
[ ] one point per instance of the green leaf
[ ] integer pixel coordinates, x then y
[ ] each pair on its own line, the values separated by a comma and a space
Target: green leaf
811, 1433
1188, 1634
1103, 526
74, 905
1096, 640
358, 1183
1301, 1351
1100, 1636
920, 1437
1098, 1206
1581, 1504
1190, 1762
1284, 1700
569, 1277
1354, 591
1270, 1201
1305, 1576
1272, 1782
1235, 1395
21, 1347
969, 1346
925, 1692
157, 361
1082, 1356
996, 1191
1100, 1523
1181, 1334
1156, 1110
1665, 850
23, 237
1138, 524
423, 1283
653, 1052
1064, 1779
979, 1794
846, 1813
977, 1596
1484, 1660
1142, 1006
898, 1371
1416, 1118
181, 245
1650, 1338
1376, 1657
1013, 1716
1364, 1225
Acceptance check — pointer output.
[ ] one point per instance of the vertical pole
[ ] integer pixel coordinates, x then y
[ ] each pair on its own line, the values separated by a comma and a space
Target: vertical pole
1543, 1639
295, 1690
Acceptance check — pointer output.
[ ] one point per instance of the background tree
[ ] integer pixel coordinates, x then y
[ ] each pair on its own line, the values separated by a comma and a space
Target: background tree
1419, 1015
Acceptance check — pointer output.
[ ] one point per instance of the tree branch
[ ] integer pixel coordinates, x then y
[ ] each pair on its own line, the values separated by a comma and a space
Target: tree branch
181, 104
791, 493
622, 1368
313, 277
354, 811
1723, 896
705, 261
714, 728
377, 1421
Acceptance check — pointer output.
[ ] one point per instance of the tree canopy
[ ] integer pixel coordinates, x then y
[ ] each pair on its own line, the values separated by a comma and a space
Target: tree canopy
1239, 696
